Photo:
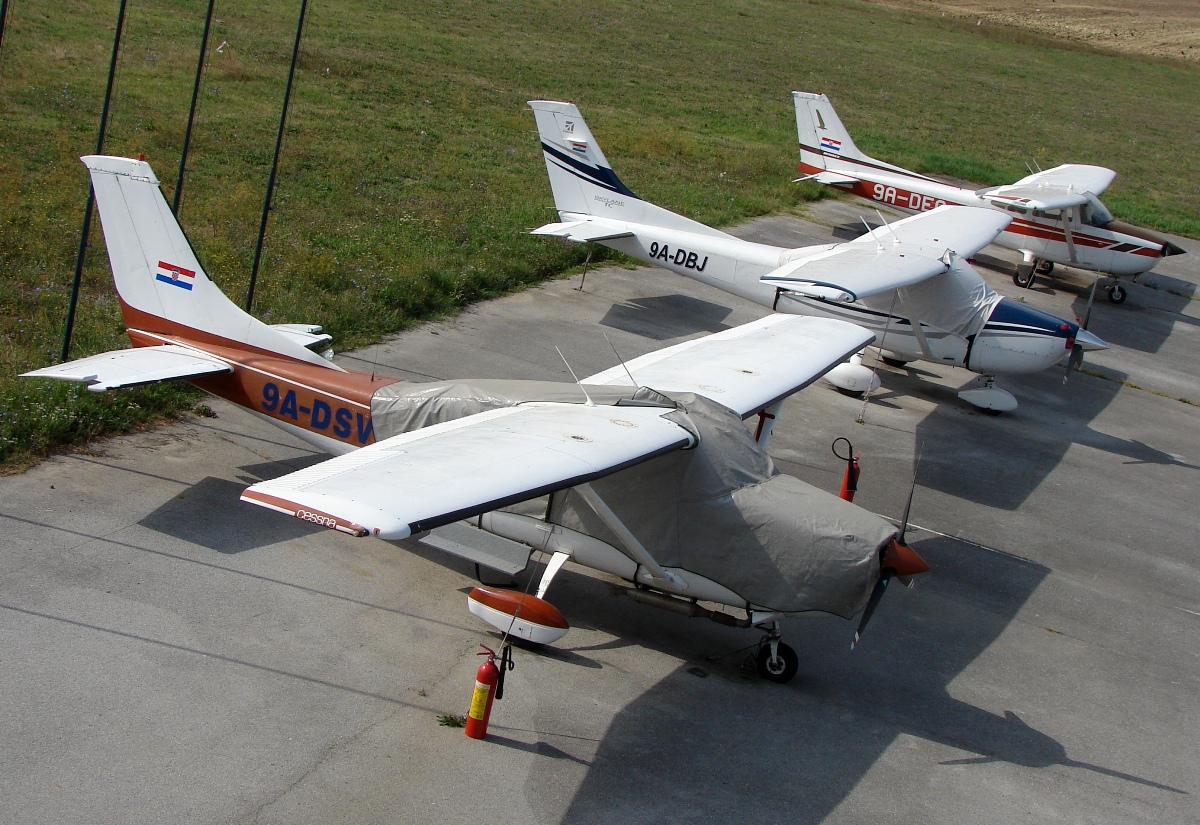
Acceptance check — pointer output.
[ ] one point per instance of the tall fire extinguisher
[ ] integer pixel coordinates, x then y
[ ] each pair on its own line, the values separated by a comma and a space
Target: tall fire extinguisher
489, 686
850, 476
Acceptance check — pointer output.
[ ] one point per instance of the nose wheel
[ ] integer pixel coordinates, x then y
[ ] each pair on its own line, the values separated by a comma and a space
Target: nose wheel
776, 661
1117, 294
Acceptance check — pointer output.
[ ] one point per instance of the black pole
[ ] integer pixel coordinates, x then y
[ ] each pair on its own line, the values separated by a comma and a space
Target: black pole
3, 19
262, 227
187, 134
91, 199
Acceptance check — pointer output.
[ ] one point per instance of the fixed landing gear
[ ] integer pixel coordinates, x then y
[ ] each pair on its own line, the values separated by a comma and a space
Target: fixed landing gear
1028, 270
1117, 294
989, 398
776, 661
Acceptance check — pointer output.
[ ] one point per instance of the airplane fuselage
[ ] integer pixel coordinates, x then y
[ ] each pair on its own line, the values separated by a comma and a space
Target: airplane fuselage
1042, 235
1005, 336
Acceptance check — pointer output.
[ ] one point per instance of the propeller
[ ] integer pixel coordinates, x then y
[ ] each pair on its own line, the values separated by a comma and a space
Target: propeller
897, 559
1075, 360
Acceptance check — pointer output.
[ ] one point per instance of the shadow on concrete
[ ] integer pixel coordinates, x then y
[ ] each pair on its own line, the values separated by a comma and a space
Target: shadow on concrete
664, 317
210, 514
999, 461
660, 762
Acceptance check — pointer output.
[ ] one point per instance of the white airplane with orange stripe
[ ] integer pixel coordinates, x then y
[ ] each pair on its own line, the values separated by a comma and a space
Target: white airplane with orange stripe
1057, 216
649, 472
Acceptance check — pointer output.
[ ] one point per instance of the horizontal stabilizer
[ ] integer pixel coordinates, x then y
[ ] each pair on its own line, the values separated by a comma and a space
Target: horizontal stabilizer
426, 478
583, 231
308, 336
749, 367
831, 178
130, 367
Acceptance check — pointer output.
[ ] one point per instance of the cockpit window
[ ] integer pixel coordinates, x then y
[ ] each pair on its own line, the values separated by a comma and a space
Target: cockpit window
1095, 213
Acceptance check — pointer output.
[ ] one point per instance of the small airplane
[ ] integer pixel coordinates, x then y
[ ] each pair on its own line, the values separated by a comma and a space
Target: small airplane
911, 270
650, 474
1057, 214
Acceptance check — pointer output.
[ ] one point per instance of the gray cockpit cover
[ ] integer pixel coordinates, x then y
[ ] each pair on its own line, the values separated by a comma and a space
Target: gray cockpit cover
721, 510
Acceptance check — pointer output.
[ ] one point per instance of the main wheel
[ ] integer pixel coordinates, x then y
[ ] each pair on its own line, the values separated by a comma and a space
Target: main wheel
1023, 277
780, 669
1044, 267
898, 363
1117, 294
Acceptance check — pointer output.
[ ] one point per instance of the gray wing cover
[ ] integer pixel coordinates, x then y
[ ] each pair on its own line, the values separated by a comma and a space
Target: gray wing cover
724, 511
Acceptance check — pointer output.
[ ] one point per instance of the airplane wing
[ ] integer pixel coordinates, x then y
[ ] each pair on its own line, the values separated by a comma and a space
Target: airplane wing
130, 367
1057, 188
583, 230
891, 257
749, 367
426, 478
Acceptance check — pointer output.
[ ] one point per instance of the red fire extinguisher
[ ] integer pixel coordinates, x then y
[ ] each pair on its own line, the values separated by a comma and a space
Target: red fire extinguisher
489, 685
850, 477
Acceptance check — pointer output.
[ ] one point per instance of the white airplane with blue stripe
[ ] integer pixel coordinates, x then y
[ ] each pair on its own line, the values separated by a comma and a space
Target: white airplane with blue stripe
909, 282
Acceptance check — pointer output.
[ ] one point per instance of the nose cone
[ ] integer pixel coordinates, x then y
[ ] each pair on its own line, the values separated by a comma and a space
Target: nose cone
1089, 342
903, 559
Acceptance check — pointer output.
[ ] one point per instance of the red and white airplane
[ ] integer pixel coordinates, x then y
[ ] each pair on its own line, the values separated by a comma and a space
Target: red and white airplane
1057, 216
648, 471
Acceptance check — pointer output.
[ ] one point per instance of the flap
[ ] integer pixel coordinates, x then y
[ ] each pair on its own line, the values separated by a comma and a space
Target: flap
749, 367
583, 231
436, 475
1056, 188
130, 367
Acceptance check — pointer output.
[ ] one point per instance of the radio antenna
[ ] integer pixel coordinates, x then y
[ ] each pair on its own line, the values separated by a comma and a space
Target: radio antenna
632, 380
590, 403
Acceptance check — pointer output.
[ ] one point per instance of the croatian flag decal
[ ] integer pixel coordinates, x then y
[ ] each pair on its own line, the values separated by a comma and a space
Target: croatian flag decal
831, 145
578, 146
175, 275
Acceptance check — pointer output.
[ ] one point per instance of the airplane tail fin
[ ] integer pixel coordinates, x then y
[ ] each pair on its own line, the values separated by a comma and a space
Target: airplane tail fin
162, 286
581, 179
823, 138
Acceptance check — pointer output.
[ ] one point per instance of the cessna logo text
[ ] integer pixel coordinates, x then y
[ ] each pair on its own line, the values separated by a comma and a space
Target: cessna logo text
316, 518
680, 257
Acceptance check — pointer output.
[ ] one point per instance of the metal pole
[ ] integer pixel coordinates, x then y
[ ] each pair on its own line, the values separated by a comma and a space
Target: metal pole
187, 135
287, 93
91, 199
3, 19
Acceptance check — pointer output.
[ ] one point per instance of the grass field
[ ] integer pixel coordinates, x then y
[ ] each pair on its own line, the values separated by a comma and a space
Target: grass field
411, 170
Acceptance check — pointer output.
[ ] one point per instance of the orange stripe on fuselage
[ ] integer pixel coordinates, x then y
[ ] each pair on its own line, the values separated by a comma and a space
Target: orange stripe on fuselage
330, 402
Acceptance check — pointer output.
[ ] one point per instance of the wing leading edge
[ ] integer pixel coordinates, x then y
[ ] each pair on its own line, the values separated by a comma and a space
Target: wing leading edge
440, 474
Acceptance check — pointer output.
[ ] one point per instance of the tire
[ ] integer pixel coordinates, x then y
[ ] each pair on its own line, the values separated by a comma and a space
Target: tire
1023, 277
782, 669
1117, 294
1044, 267
894, 362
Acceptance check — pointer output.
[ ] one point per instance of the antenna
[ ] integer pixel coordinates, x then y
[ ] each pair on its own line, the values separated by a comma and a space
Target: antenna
1030, 168
590, 403
895, 237
878, 245
632, 380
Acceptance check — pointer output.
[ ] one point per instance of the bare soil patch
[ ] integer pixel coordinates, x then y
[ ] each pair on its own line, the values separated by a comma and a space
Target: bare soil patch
1155, 28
